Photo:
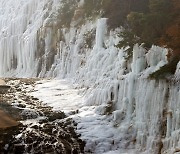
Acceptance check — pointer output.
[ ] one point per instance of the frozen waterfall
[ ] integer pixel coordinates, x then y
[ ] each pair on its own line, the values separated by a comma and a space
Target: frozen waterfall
146, 112
19, 24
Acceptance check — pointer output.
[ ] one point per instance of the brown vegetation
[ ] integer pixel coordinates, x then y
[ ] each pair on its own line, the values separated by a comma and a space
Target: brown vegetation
151, 21
145, 21
171, 36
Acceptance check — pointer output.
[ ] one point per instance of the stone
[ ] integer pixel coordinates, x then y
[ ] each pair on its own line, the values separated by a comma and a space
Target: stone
3, 87
56, 115
19, 148
6, 121
21, 105
2, 82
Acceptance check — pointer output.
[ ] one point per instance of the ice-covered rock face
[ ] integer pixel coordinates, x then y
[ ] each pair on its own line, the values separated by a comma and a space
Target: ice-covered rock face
32, 44
19, 23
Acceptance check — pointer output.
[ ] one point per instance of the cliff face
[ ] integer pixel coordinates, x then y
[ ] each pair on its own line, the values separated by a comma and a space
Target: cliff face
35, 41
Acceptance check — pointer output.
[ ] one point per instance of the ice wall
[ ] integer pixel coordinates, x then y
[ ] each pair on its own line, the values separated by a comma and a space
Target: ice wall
146, 111
19, 23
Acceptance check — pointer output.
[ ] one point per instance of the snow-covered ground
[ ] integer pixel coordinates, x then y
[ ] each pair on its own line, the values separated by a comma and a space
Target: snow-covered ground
99, 132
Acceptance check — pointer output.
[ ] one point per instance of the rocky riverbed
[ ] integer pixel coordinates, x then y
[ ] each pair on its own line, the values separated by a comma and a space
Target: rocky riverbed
41, 130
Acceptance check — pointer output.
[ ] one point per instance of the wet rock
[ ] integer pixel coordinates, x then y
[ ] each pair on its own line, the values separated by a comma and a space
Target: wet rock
52, 132
35, 99
29, 114
43, 121
18, 89
19, 148
21, 105
55, 115
35, 127
75, 151
6, 136
73, 112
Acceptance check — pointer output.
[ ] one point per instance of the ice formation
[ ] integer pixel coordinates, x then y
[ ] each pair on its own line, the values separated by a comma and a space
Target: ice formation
137, 112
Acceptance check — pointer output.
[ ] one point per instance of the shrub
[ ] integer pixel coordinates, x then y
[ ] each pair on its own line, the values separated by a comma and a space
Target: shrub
129, 40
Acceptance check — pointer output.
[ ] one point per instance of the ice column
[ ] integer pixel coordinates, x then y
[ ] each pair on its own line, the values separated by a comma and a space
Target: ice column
100, 32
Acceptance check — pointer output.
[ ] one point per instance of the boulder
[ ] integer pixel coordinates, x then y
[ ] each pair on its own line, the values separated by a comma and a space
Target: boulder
6, 121
2, 82
3, 87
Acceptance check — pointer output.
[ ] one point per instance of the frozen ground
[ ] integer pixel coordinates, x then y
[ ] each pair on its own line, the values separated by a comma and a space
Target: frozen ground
100, 134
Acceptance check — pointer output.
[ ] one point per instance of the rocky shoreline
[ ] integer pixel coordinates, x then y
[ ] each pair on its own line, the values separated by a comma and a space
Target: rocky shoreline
41, 130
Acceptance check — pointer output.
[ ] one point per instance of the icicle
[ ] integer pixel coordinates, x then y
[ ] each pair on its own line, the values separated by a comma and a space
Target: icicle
177, 73
139, 62
169, 123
